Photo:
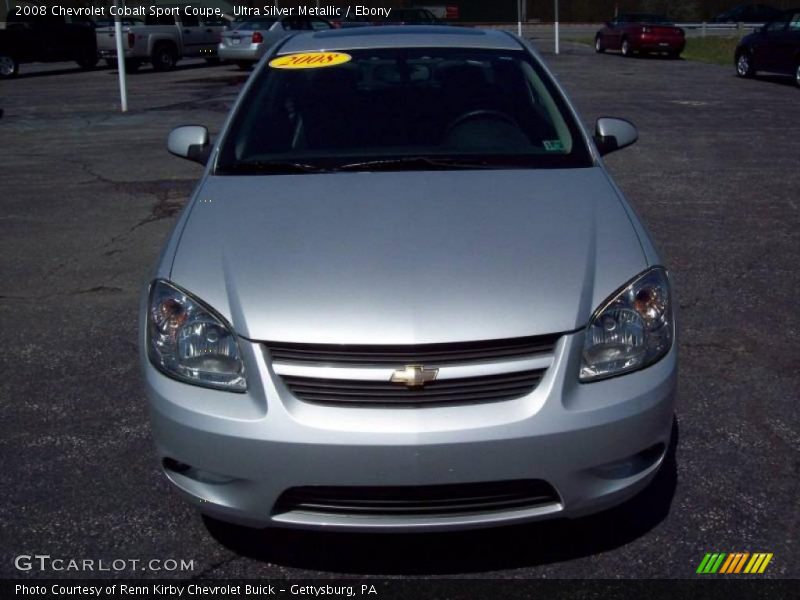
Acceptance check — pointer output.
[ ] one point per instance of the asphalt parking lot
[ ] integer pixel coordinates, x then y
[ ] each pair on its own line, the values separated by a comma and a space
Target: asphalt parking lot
87, 197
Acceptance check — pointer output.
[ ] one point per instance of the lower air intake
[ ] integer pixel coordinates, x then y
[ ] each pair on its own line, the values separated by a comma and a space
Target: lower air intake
432, 500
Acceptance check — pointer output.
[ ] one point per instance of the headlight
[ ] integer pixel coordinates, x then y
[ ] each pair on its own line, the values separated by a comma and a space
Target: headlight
631, 330
187, 340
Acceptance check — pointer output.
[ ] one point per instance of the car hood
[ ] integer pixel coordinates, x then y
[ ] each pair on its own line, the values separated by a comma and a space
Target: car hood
407, 257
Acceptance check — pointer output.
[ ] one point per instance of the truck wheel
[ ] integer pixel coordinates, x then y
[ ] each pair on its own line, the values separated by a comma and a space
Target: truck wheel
8, 66
88, 61
598, 45
164, 57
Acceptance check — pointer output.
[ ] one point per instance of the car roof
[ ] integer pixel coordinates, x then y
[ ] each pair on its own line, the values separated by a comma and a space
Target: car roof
401, 36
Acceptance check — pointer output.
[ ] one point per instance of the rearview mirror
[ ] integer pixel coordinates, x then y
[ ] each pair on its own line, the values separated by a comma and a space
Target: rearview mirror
190, 142
612, 134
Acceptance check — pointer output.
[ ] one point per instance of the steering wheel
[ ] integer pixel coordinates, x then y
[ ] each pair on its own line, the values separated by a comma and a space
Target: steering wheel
482, 113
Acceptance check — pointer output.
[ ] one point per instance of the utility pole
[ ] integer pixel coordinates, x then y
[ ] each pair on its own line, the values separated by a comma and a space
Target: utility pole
556, 26
123, 84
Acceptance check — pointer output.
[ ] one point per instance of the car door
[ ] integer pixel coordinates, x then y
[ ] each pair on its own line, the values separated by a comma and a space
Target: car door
194, 38
613, 34
787, 45
766, 50
23, 36
211, 30
54, 37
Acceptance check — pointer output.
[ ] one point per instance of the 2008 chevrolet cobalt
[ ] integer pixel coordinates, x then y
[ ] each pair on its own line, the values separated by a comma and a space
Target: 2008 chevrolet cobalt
407, 295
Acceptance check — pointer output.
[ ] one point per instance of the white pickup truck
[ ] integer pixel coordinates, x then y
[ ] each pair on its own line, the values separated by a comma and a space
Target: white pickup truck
162, 41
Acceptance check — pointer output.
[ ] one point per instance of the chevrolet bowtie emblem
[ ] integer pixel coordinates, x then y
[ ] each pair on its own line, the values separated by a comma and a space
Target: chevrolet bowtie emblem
414, 375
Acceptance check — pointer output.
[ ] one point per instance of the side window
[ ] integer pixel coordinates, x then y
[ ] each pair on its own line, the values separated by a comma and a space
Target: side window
80, 20
190, 21
160, 20
214, 22
18, 21
296, 24
319, 24
778, 25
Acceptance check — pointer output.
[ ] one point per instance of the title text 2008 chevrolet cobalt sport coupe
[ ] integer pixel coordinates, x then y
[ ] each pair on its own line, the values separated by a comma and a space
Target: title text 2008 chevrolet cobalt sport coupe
407, 295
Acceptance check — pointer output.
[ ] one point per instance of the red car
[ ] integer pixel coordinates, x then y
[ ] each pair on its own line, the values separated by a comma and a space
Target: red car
640, 32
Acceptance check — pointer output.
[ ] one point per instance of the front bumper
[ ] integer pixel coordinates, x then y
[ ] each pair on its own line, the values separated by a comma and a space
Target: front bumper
245, 450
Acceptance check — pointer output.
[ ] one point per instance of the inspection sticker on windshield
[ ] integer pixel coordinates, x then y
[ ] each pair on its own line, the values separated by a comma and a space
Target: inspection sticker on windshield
310, 60
553, 145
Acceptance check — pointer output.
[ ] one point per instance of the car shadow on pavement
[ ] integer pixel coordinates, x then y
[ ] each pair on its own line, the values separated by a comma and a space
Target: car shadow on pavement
50, 72
779, 79
460, 552
146, 69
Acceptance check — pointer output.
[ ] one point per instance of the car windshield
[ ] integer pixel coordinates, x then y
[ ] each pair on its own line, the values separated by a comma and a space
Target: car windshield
254, 24
404, 109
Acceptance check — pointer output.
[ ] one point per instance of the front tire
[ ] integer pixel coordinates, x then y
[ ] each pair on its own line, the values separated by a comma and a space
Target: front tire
164, 57
89, 61
744, 65
797, 73
626, 49
598, 45
9, 67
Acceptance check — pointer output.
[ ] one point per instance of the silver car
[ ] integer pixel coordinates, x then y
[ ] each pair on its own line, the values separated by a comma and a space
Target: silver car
249, 40
406, 295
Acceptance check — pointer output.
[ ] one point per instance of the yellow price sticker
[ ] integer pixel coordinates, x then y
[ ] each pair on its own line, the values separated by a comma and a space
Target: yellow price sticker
310, 60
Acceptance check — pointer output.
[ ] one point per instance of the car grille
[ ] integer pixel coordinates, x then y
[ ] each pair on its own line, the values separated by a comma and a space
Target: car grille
433, 500
491, 388
397, 356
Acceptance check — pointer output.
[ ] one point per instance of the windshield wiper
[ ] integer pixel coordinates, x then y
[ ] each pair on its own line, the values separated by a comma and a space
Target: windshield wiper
427, 163
274, 167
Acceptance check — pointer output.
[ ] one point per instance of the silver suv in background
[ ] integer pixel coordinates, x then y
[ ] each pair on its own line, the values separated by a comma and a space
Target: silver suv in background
162, 41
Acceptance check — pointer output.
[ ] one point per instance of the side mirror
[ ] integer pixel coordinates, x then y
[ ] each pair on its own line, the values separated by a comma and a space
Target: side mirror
190, 142
612, 134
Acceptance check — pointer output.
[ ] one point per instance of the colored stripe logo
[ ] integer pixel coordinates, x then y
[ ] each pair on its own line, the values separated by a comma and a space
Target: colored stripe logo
734, 563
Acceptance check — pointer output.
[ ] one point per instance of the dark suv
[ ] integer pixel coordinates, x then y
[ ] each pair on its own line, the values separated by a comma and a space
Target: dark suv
774, 48
46, 39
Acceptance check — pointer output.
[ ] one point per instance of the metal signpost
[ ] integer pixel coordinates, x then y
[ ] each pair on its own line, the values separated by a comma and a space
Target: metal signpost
123, 84
556, 26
